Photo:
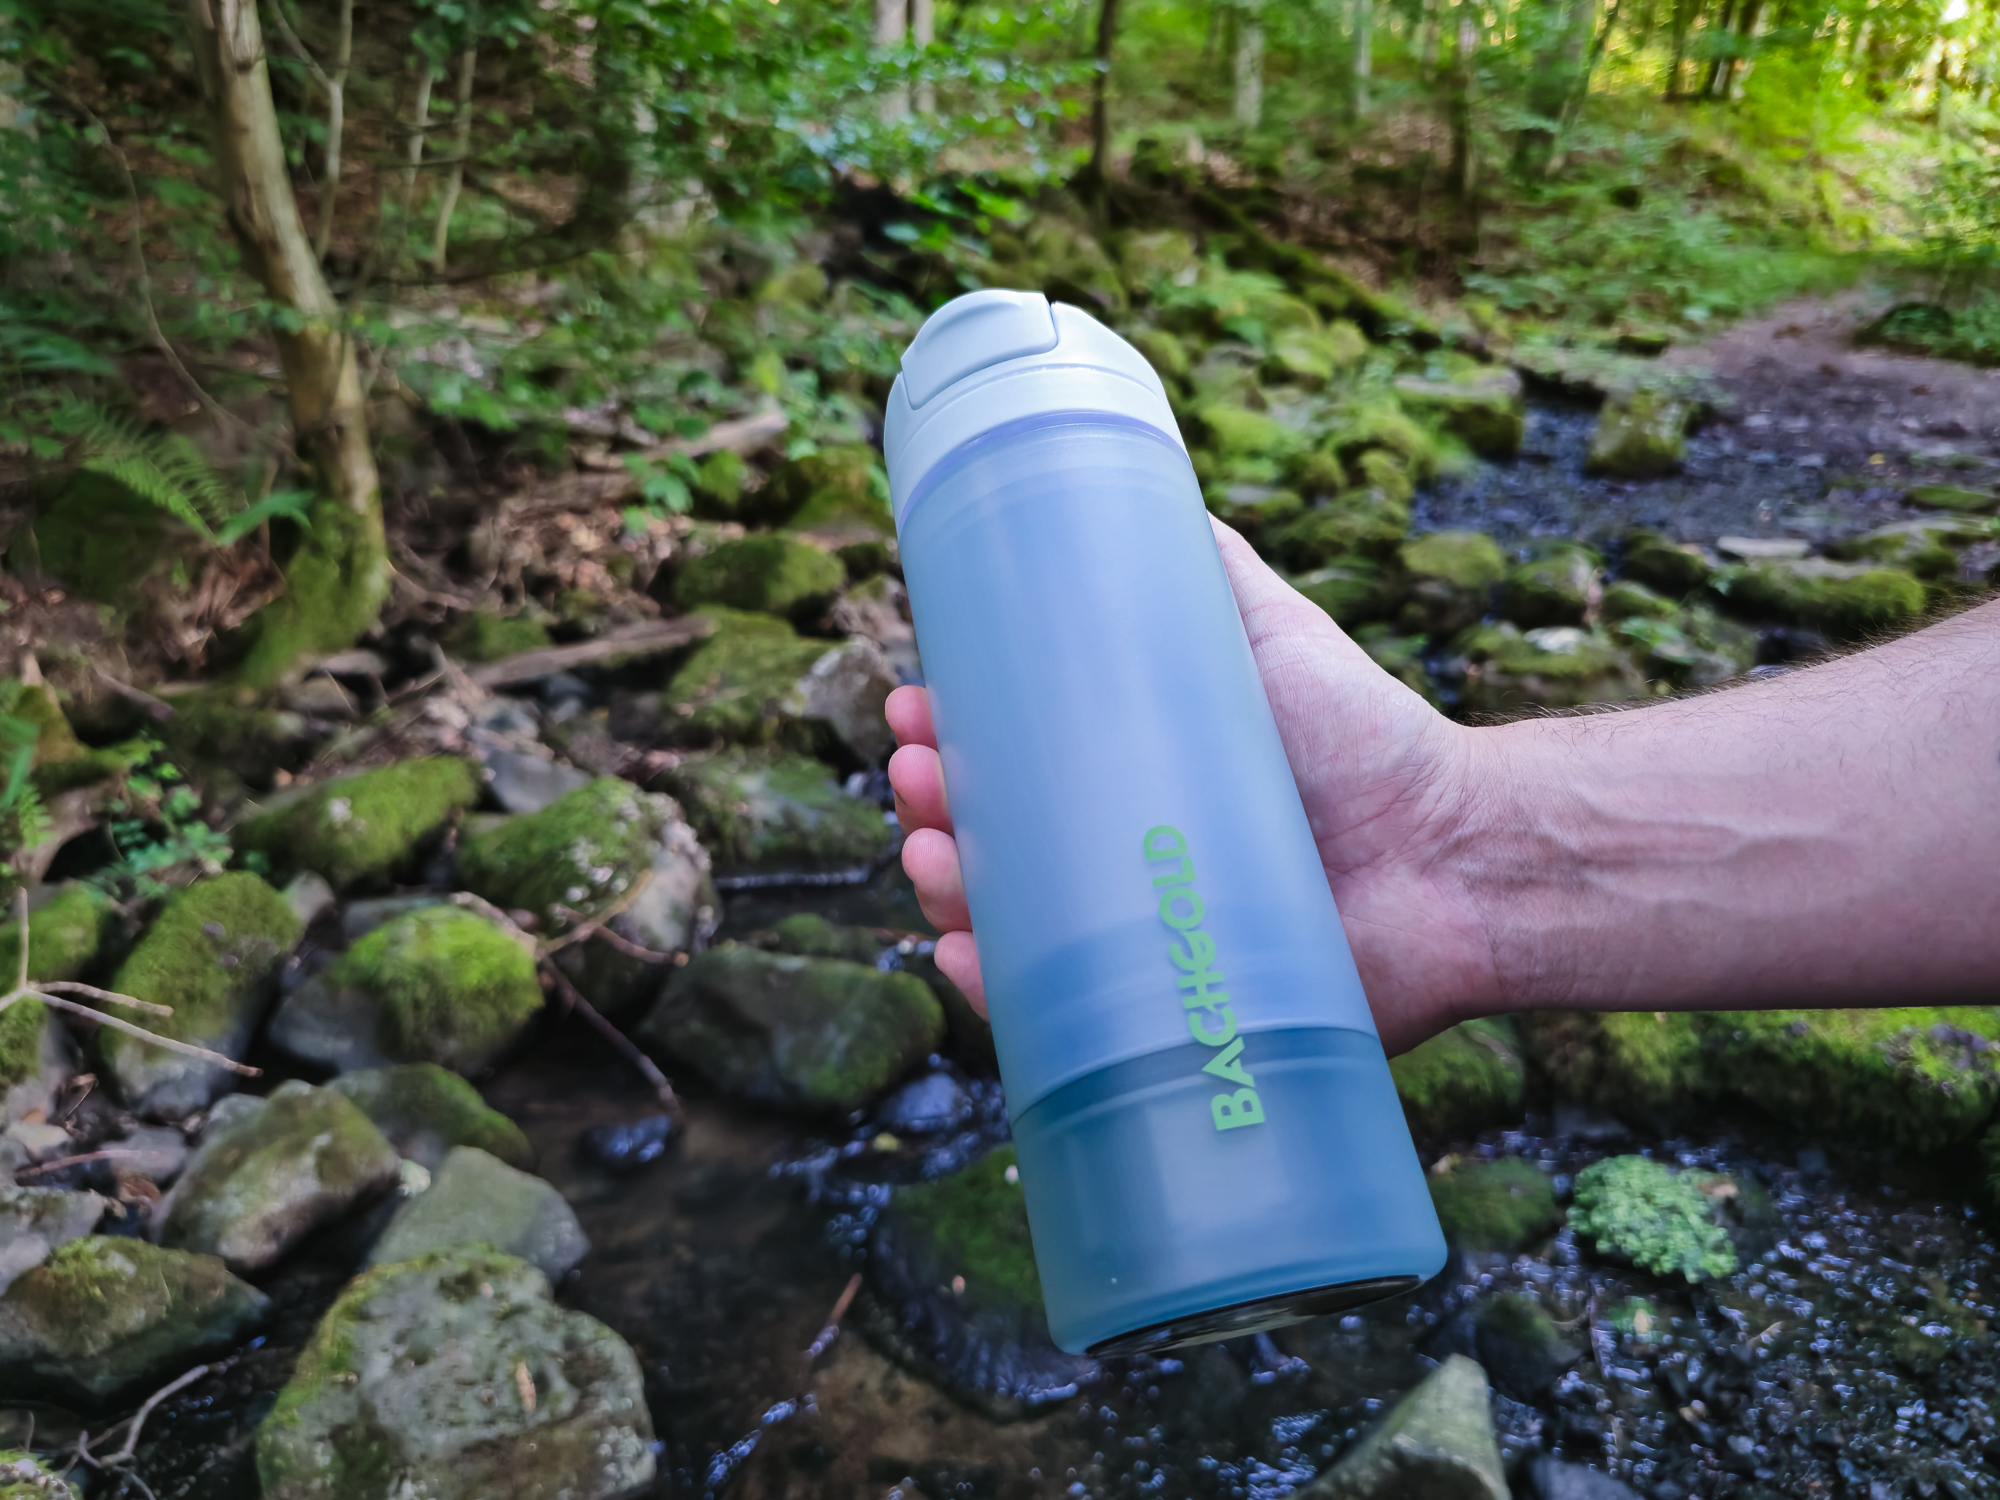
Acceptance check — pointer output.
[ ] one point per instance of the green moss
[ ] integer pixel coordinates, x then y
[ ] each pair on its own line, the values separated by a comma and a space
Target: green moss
582, 851
1649, 1062
22, 1025
453, 989
64, 935
759, 809
1846, 600
1507, 1204
978, 1219
424, 1110
1379, 422
1641, 434
1483, 411
1653, 1217
487, 635
1461, 1080
1556, 666
360, 830
1557, 588
1694, 647
1164, 352
1928, 548
1352, 593
841, 483
1662, 563
742, 685
866, 559
1954, 497
720, 481
1468, 560
1233, 431
1629, 599
1358, 523
810, 935
214, 943
104, 542
774, 574
335, 584
227, 729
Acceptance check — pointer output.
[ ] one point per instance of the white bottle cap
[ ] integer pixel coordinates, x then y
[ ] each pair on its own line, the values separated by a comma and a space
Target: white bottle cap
990, 358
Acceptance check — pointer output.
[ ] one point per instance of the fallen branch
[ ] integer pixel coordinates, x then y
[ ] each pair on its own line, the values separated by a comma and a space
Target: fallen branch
62, 1162
738, 436
623, 644
831, 1331
648, 1069
158, 708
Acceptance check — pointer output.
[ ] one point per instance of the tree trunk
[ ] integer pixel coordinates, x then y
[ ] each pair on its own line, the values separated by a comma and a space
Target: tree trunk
891, 19
1462, 175
923, 31
1100, 96
339, 576
461, 142
1250, 68
1562, 38
336, 125
1364, 39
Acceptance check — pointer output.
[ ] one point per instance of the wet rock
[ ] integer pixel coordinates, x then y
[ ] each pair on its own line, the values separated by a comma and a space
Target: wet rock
438, 985
1461, 1080
1522, 1350
308, 895
774, 574
1557, 666
269, 1177
836, 484
1549, 1478
1482, 409
1762, 548
104, 1317
213, 955
1954, 497
1846, 600
362, 830
1641, 434
1689, 648
810, 935
1637, 1210
1352, 593
1363, 523
1928, 548
1436, 1443
585, 853
802, 1033
475, 1199
1561, 586
1634, 1063
1507, 1204
523, 782
1452, 574
66, 930
455, 1377
742, 686
1312, 359
934, 1104
843, 693
22, 1478
765, 811
424, 1111
158, 1153
878, 609
961, 1300
629, 1147
36, 1221
1659, 562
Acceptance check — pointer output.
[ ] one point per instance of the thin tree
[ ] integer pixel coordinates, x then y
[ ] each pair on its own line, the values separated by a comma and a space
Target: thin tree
1250, 64
1095, 174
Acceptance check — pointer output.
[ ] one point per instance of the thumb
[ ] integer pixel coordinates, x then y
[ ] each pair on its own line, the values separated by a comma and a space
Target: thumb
1288, 632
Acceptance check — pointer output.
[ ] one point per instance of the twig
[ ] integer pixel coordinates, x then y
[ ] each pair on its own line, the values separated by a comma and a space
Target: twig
648, 1069
73, 987
76, 1161
159, 708
500, 919
596, 929
630, 641
831, 1331
592, 924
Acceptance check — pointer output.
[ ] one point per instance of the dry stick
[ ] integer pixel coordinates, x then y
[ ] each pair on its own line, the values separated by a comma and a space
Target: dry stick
76, 1161
648, 1069
468, 62
138, 1418
158, 708
831, 1331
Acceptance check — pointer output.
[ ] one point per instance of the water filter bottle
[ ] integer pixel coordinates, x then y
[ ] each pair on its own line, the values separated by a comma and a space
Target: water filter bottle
1208, 1138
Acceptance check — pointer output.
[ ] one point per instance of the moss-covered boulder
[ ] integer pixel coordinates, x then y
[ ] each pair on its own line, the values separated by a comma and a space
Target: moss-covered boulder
741, 686
778, 575
1845, 600
212, 955
102, 1318
478, 1200
1559, 586
1955, 497
36, 1221
1483, 410
1502, 1205
1918, 1078
810, 935
1436, 1442
1461, 1080
1237, 432
1312, 359
363, 830
1928, 548
1641, 434
1520, 1347
764, 810
1055, 252
1675, 569
1164, 352
812, 1034
1694, 647
1402, 657
270, 1175
1452, 575
436, 985
835, 487
1362, 523
719, 484
488, 635
1628, 599
1508, 670
1352, 592
1634, 1209
456, 1377
23, 1478
66, 931
424, 1111
1640, 1063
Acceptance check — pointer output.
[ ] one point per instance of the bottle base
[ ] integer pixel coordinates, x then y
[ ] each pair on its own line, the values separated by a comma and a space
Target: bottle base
1259, 1315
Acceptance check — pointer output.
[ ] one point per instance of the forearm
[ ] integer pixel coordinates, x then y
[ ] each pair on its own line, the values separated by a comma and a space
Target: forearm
1826, 838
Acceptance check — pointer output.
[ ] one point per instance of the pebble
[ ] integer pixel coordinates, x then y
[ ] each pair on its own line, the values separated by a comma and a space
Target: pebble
930, 1105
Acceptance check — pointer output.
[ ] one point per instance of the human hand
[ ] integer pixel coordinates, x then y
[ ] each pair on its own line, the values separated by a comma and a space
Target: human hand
1387, 785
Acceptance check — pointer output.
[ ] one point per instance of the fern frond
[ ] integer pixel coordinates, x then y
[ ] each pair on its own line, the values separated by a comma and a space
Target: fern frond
165, 470
31, 820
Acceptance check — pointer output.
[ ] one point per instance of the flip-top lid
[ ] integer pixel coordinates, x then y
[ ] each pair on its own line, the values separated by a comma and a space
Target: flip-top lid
994, 357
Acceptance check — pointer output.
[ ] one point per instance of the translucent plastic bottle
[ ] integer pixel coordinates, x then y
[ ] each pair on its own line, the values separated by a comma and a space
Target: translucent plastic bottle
1208, 1137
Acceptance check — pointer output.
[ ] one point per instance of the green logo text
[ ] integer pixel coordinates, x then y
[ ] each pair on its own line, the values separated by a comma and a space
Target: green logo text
1192, 952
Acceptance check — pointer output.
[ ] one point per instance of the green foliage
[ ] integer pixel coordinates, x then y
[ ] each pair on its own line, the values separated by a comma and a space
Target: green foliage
1652, 1216
1507, 1204
155, 825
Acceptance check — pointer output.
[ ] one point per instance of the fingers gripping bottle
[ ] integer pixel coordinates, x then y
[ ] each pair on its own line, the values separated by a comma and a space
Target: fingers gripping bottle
1208, 1137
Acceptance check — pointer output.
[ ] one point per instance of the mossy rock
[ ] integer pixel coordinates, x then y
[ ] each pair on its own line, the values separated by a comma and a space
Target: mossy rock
1451, 574
835, 486
1917, 1079
1483, 411
1560, 587
212, 955
1314, 360
1165, 353
1641, 434
105, 542
478, 1201
1235, 431
488, 635
1691, 648
582, 852
360, 831
438, 985
1356, 524
1557, 666
1954, 497
1659, 562
1063, 258
741, 686
1436, 1443
1520, 1347
103, 1318
1637, 1210
1928, 549
1462, 1080
810, 935
211, 731
65, 934
776, 575
267, 1178
763, 810
424, 1111
1258, 513
1845, 600
977, 1221
1317, 473
1386, 479
1652, 1064
414, 1384
1504, 1205
1352, 592
811, 1034
1380, 423
23, 1478
1401, 656
1628, 599
1226, 377
720, 482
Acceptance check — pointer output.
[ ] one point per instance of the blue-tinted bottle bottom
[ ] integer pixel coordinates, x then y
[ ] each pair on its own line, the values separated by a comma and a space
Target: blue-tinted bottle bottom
1153, 1228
